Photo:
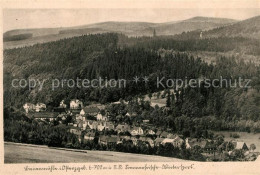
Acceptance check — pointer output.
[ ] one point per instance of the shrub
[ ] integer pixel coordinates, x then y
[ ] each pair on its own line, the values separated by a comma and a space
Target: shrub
235, 135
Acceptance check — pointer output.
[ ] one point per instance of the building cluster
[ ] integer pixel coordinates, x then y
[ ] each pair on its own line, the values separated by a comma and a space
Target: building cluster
95, 128
29, 107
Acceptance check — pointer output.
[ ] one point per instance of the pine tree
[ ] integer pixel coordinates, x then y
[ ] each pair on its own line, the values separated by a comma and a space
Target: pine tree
154, 33
168, 101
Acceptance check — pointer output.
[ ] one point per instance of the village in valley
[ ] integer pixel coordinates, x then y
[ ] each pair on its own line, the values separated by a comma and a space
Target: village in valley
113, 125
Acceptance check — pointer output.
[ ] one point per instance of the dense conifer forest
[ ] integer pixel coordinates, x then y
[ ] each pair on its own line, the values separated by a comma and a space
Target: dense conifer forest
119, 57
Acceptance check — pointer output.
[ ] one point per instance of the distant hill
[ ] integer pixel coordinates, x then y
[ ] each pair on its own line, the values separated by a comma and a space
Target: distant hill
34, 32
196, 23
249, 28
127, 28
211, 19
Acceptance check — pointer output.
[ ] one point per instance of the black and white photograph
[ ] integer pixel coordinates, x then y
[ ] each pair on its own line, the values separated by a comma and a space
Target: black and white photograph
118, 85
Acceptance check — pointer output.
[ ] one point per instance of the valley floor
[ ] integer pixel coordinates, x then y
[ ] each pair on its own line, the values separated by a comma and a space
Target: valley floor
23, 153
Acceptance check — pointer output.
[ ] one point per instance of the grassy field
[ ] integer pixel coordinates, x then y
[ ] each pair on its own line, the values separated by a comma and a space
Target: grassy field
248, 138
14, 153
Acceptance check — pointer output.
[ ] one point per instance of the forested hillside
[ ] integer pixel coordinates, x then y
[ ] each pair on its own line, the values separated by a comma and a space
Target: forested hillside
119, 57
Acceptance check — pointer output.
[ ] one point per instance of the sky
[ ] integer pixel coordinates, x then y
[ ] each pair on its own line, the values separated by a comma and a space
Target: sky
51, 18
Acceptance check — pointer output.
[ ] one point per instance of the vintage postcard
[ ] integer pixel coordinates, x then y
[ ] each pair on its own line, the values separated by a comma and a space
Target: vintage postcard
124, 87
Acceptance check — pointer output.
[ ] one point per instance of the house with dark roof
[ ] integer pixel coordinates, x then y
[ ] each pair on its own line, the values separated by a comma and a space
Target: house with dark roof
164, 134
89, 136
110, 126
102, 117
134, 140
178, 141
171, 136
44, 115
147, 140
191, 143
158, 141
122, 128
101, 125
205, 145
149, 132
131, 114
89, 111
92, 124
75, 130
108, 140
158, 133
59, 110
98, 105
167, 141
240, 145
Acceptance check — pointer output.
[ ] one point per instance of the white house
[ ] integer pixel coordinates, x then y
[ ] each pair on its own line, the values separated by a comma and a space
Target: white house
89, 136
176, 142
40, 107
62, 104
28, 107
136, 131
151, 132
101, 126
76, 104
167, 141
102, 117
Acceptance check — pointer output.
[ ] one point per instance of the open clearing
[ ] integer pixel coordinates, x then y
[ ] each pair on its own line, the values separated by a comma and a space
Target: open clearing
20, 153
